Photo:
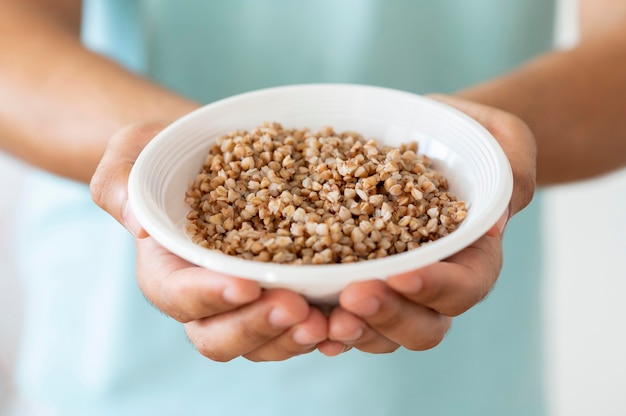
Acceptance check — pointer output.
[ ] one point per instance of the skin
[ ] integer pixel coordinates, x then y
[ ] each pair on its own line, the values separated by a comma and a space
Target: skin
87, 119
572, 100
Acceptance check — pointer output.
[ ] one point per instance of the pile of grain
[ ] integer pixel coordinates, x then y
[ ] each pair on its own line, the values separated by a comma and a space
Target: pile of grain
294, 196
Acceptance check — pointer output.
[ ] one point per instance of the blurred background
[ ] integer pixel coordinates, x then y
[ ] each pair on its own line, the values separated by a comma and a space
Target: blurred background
583, 296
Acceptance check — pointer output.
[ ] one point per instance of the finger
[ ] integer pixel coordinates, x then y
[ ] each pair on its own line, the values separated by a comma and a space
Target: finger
498, 227
300, 339
332, 348
186, 292
352, 331
393, 316
240, 331
110, 180
453, 286
515, 138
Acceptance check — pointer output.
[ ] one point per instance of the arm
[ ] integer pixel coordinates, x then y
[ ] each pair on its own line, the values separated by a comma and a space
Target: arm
574, 103
60, 103
60, 106
572, 100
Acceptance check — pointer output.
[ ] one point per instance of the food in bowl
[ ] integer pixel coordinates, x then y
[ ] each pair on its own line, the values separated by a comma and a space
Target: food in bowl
293, 196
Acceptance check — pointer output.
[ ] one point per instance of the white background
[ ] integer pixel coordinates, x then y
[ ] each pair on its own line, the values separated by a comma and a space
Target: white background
585, 240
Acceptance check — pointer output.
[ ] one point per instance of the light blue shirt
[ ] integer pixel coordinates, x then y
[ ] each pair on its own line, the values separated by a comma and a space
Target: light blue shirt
92, 345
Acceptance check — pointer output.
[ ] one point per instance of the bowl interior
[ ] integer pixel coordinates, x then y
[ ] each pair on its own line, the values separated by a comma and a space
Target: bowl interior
476, 168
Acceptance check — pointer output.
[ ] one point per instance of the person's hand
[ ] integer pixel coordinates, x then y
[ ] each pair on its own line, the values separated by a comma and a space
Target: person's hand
224, 317
415, 309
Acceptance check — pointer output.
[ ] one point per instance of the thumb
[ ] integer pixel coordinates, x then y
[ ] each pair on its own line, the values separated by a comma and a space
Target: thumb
109, 183
516, 140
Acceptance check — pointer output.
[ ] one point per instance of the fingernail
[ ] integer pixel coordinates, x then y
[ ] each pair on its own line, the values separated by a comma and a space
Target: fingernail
303, 338
501, 224
130, 221
367, 307
354, 337
410, 283
280, 318
237, 296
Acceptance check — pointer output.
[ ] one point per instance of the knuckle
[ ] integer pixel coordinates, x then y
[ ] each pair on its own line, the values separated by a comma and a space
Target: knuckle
188, 302
256, 335
97, 187
376, 349
217, 356
424, 344
207, 349
387, 318
459, 309
277, 353
177, 316
170, 311
153, 293
255, 359
432, 290
431, 338
106, 192
174, 311
375, 344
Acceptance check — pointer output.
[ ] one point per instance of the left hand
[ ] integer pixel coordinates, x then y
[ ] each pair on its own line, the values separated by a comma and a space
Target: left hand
415, 309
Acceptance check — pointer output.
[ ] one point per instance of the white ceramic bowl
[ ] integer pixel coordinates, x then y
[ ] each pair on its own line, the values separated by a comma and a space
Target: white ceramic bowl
477, 170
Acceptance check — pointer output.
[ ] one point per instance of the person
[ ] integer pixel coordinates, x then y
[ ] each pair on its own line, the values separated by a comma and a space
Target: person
91, 344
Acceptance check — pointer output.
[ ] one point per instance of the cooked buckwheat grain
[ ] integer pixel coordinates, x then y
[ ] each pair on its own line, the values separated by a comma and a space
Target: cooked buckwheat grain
292, 196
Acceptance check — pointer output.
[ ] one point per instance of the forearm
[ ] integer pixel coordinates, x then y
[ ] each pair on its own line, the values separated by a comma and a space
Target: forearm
60, 103
575, 103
